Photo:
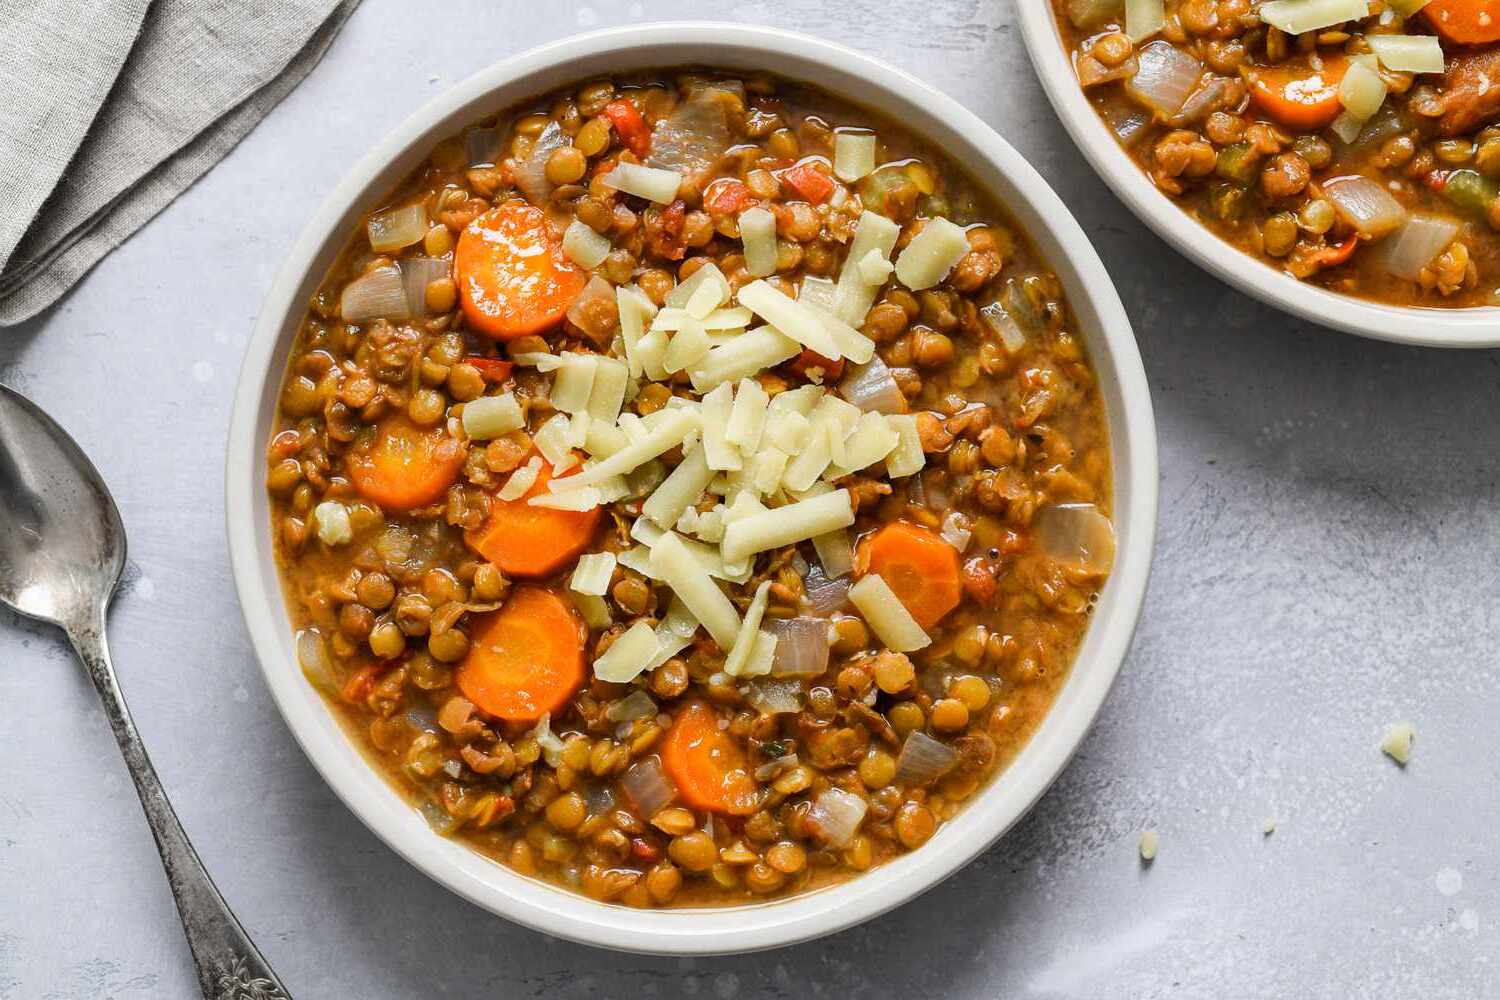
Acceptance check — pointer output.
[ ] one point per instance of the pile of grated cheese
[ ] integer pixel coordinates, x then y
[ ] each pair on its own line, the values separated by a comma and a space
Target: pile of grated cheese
769, 463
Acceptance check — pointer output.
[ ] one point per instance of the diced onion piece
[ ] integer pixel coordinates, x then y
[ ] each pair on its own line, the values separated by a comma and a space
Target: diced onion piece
687, 347
377, 294
1398, 741
1078, 536
416, 274
923, 760
1347, 126
931, 254
719, 452
774, 697
999, 320
522, 480
396, 228
1297, 16
679, 490
855, 294
688, 579
801, 647
492, 416
581, 312
750, 353
758, 233
1165, 76
647, 787
853, 154
555, 441
1408, 53
739, 654
1413, 247
1361, 91
835, 552
696, 134
584, 246
823, 596
332, 521
574, 382
1365, 204
873, 388
665, 435
635, 311
531, 171
787, 525
885, 613
591, 575
747, 419
636, 705
312, 657
955, 531
835, 816
1144, 18
576, 498
650, 183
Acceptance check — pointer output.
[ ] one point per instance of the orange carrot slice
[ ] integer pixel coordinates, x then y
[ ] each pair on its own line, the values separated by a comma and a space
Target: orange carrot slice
1299, 96
406, 466
707, 765
513, 277
525, 660
917, 565
1465, 22
533, 541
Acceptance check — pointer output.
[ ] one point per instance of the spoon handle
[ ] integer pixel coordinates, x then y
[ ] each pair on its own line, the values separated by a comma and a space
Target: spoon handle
229, 966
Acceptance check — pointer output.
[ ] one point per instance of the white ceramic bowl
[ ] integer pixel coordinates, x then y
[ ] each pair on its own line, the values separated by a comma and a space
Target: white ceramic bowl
1401, 324
1104, 326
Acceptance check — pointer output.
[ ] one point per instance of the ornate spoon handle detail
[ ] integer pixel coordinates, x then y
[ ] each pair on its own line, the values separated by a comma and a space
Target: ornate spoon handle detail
229, 966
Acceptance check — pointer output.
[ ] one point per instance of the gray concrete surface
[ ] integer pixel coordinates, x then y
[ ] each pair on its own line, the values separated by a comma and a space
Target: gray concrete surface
1327, 564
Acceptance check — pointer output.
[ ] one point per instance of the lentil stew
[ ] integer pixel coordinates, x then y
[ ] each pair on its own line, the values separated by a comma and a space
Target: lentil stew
1353, 144
689, 490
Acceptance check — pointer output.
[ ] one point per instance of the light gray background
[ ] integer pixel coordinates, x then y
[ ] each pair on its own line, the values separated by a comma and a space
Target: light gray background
1327, 564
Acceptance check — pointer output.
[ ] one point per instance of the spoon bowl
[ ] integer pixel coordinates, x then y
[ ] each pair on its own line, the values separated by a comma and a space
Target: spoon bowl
62, 545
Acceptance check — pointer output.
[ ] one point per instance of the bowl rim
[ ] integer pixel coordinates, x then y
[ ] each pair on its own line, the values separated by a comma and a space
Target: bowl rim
1422, 326
719, 930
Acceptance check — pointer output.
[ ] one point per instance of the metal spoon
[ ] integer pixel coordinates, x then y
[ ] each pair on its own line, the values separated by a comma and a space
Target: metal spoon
62, 548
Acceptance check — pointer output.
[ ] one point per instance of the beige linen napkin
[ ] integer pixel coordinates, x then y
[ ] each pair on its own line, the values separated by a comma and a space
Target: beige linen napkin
110, 109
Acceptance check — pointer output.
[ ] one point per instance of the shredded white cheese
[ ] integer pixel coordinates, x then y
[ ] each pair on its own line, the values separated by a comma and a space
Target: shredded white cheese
758, 233
855, 294
520, 481
708, 274
787, 525
667, 434
679, 490
751, 352
853, 154
675, 565
907, 458
554, 439
636, 311
650, 183
492, 416
744, 642
574, 382
1398, 741
716, 407
931, 254
585, 247
611, 377
687, 348
886, 615
747, 419
627, 656
1297, 16
591, 574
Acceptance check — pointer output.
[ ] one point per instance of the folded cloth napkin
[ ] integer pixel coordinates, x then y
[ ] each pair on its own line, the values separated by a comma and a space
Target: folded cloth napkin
110, 110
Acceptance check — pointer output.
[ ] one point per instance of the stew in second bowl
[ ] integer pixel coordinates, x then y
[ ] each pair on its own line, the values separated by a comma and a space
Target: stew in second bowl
1352, 143
690, 489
